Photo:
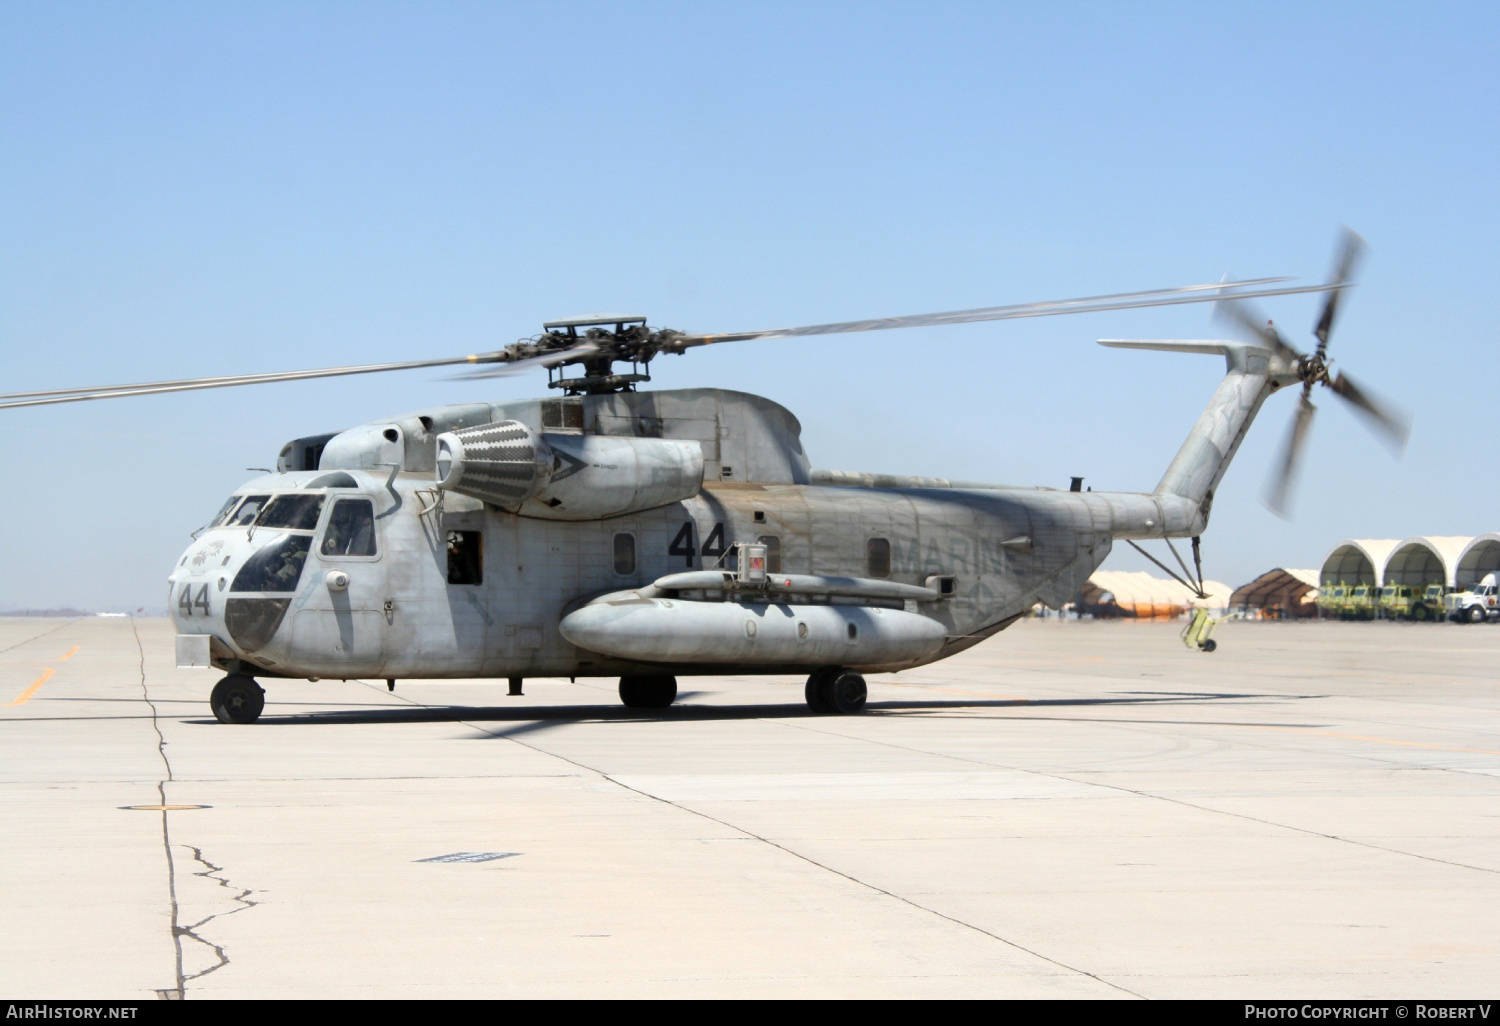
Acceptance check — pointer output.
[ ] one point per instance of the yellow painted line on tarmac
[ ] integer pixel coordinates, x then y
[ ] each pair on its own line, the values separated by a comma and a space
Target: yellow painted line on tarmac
1390, 741
36, 686
69, 654
163, 808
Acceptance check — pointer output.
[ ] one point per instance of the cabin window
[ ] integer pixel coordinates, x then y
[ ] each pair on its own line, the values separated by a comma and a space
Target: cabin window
624, 554
772, 542
465, 557
351, 529
878, 557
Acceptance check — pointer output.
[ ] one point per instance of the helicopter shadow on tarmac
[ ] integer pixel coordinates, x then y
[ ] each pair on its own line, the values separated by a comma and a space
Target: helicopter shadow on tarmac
529, 718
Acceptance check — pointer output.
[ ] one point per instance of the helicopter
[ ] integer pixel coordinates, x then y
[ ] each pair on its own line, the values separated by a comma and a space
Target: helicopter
611, 531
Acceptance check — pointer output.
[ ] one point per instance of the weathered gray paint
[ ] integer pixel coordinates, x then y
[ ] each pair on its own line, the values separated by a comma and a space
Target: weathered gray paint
1008, 548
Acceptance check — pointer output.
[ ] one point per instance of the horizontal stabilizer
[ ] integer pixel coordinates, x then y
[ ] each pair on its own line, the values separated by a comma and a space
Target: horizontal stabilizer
1220, 347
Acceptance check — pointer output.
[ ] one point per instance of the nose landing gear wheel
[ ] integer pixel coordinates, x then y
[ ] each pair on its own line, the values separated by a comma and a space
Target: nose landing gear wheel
237, 699
656, 692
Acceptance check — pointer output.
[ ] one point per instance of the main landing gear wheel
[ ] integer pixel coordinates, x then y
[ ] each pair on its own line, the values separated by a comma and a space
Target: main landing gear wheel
836, 691
815, 690
237, 699
656, 692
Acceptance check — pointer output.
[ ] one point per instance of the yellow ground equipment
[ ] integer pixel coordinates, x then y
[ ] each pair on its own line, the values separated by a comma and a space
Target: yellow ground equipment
1331, 599
1198, 633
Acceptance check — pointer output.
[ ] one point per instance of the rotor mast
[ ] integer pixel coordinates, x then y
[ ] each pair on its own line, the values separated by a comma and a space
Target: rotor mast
616, 338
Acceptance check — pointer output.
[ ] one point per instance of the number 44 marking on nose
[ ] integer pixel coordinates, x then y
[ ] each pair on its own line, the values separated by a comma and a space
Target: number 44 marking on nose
187, 602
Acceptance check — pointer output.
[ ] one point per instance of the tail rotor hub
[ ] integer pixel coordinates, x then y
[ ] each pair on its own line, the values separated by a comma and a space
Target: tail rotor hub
1313, 369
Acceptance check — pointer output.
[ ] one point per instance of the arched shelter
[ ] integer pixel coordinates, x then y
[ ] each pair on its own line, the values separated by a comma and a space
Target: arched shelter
1279, 593
1418, 562
1356, 561
1481, 556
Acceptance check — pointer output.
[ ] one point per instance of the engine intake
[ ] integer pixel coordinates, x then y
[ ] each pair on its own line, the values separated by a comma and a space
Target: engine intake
501, 464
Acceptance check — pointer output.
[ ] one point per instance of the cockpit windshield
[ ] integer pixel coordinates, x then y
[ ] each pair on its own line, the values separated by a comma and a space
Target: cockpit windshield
292, 512
225, 510
245, 515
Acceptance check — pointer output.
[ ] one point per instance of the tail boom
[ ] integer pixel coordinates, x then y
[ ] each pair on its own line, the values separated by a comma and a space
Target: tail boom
1185, 494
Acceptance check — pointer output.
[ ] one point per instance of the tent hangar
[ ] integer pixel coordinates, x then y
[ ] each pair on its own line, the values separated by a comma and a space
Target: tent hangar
1357, 561
1418, 562
1279, 594
1124, 593
1481, 556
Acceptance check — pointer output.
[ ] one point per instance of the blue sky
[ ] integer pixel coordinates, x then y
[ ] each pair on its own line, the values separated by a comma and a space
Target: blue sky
199, 189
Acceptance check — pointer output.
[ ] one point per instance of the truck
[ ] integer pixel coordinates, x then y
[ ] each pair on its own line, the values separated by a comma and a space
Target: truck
1477, 603
1331, 599
1360, 602
1403, 602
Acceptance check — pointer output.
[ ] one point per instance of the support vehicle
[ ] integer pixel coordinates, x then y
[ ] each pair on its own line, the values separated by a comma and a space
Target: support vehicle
1476, 603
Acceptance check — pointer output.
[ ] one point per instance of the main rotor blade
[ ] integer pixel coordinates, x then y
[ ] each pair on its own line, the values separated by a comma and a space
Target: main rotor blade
1393, 424
1088, 304
78, 395
1248, 318
1291, 453
1350, 251
505, 370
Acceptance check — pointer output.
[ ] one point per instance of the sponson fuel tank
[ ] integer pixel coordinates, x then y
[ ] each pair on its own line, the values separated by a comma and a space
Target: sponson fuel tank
675, 631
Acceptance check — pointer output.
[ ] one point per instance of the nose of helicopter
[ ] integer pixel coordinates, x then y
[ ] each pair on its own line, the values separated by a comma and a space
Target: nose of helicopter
198, 586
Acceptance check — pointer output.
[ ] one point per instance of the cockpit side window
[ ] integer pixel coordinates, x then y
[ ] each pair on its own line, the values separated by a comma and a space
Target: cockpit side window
351, 529
225, 510
293, 512
246, 514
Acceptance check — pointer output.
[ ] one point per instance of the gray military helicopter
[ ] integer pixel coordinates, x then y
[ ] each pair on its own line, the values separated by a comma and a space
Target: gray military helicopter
610, 531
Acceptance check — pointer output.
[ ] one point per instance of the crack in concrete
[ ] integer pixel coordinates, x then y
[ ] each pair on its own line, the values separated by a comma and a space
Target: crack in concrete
242, 896
179, 991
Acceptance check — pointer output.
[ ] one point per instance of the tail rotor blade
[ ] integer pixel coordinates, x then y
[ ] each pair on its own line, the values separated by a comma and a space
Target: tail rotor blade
1277, 494
1249, 319
1350, 252
1392, 424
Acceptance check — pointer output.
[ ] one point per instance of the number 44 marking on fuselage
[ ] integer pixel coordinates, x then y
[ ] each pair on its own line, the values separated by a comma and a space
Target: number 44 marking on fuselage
682, 544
